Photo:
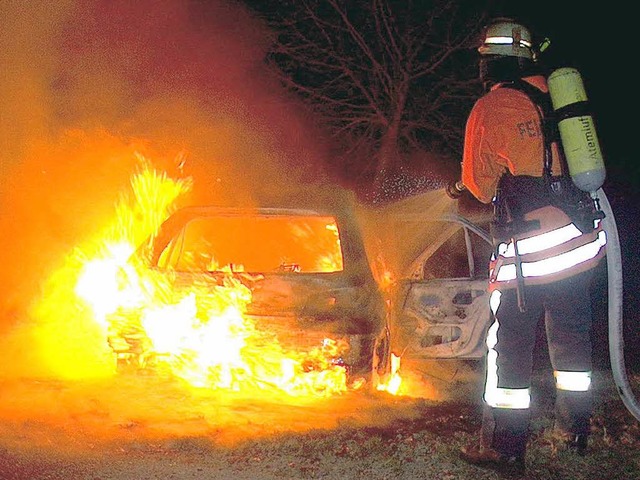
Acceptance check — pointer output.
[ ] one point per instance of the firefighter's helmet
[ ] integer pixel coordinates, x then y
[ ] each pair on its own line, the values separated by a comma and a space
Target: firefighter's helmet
506, 37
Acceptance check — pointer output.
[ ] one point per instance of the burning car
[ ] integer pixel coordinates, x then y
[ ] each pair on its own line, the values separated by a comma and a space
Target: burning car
288, 290
306, 294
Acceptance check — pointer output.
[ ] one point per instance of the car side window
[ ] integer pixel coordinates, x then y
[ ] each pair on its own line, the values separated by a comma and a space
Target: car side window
451, 259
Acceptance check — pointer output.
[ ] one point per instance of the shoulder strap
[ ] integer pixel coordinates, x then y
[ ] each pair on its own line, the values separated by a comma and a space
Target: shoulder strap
565, 195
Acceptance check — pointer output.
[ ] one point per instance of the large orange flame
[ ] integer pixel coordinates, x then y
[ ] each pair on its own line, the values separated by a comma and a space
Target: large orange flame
201, 337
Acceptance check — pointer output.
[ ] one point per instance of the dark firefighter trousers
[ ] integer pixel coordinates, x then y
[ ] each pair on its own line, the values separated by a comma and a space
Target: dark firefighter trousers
566, 308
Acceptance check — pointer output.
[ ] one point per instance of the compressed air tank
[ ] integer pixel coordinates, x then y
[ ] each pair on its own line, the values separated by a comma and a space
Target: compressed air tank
577, 130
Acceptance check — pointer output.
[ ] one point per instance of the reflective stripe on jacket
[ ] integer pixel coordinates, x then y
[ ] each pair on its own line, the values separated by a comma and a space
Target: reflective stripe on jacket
555, 251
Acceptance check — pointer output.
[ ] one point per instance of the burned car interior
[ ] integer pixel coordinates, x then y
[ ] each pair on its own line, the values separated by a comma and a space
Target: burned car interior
264, 240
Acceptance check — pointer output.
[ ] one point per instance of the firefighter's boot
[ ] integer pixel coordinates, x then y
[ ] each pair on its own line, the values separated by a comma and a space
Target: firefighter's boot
487, 457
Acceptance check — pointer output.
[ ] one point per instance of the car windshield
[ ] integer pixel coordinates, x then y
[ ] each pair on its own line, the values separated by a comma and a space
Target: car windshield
256, 243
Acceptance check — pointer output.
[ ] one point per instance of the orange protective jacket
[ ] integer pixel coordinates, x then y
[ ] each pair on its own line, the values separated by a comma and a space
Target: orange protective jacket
503, 133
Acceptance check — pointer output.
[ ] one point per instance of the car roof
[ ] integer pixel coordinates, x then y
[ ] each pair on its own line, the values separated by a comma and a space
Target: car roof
200, 211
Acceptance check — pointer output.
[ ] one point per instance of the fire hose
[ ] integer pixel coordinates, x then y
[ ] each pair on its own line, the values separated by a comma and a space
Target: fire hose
615, 299
616, 336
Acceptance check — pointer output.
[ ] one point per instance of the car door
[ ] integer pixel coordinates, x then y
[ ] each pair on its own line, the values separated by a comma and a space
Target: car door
440, 305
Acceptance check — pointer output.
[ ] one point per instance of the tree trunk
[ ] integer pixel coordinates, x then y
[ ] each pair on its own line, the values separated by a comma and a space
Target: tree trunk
388, 159
389, 153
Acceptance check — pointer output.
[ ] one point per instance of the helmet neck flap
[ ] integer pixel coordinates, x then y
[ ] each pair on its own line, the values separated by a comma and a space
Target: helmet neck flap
497, 69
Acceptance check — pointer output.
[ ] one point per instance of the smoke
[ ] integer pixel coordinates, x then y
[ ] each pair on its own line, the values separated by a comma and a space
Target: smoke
87, 85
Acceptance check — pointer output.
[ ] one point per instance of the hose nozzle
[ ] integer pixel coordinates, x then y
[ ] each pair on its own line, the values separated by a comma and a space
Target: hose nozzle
455, 189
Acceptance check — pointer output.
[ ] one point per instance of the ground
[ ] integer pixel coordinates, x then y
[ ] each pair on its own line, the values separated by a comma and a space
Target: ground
143, 427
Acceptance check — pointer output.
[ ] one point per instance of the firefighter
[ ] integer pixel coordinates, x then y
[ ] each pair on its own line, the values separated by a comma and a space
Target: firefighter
547, 242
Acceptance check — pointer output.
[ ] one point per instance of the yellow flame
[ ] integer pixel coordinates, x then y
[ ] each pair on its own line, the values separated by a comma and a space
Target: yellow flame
104, 282
332, 262
70, 338
392, 385
101, 310
138, 317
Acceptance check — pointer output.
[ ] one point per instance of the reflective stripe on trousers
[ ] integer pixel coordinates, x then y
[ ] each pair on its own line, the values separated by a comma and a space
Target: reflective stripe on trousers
520, 398
495, 396
572, 381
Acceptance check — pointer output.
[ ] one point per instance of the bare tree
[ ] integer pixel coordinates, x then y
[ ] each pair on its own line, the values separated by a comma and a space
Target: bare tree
387, 77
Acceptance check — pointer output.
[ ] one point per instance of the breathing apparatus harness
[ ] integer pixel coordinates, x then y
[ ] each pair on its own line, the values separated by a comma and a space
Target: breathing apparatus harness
519, 195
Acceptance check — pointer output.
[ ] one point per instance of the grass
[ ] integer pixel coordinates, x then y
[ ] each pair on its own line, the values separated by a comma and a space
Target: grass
420, 439
427, 445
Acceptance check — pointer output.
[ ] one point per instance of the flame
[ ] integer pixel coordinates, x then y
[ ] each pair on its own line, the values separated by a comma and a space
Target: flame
132, 316
393, 383
106, 312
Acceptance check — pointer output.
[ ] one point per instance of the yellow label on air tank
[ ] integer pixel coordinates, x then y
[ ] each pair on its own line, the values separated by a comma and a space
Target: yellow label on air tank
580, 144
